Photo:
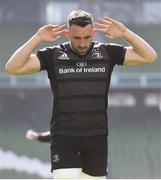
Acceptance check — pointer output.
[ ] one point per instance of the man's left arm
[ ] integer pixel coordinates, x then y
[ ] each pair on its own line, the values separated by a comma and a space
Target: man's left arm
140, 52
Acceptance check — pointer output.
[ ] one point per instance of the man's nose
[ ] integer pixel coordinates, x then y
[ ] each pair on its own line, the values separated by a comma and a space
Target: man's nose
82, 43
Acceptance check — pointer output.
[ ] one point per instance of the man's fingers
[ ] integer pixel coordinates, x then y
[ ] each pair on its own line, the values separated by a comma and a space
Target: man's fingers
110, 20
104, 20
50, 26
55, 27
60, 27
105, 26
55, 38
59, 32
100, 30
109, 36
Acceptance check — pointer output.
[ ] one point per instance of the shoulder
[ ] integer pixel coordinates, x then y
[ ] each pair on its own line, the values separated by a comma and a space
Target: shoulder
61, 47
107, 45
114, 48
98, 44
113, 45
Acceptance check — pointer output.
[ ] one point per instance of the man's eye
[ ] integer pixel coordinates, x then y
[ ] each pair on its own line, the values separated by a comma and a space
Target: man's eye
76, 38
87, 37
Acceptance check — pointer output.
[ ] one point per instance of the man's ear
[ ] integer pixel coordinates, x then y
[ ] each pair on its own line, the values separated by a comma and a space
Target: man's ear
67, 34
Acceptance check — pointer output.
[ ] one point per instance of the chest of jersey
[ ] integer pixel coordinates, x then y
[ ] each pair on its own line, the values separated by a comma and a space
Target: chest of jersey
75, 75
80, 69
80, 87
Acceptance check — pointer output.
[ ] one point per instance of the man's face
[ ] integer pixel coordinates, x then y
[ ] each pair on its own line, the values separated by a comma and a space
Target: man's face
80, 38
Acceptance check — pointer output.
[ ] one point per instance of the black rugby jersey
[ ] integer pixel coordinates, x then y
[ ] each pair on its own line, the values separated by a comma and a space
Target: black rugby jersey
80, 86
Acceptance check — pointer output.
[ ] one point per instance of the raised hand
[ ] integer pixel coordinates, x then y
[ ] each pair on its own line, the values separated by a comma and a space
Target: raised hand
112, 28
51, 33
31, 135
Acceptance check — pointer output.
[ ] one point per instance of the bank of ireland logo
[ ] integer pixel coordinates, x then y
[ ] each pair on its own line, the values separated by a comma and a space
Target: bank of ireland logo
81, 64
97, 55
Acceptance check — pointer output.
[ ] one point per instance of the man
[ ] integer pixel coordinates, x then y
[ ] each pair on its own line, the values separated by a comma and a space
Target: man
79, 72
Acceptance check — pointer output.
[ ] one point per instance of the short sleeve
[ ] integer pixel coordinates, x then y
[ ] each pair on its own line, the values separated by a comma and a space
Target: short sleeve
45, 55
116, 53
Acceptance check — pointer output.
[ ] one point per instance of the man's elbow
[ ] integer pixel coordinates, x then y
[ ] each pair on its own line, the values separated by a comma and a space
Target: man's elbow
153, 57
9, 70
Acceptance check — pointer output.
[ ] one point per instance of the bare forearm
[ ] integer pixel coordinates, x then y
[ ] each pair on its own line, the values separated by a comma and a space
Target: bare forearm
22, 55
140, 46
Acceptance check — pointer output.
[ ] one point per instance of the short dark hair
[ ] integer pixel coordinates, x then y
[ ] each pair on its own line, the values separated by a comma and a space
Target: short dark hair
79, 18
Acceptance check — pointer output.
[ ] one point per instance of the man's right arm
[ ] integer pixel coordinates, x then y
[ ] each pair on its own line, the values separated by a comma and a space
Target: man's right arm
23, 61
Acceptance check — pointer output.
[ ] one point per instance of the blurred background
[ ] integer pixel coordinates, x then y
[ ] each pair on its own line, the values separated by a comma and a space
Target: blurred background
134, 100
